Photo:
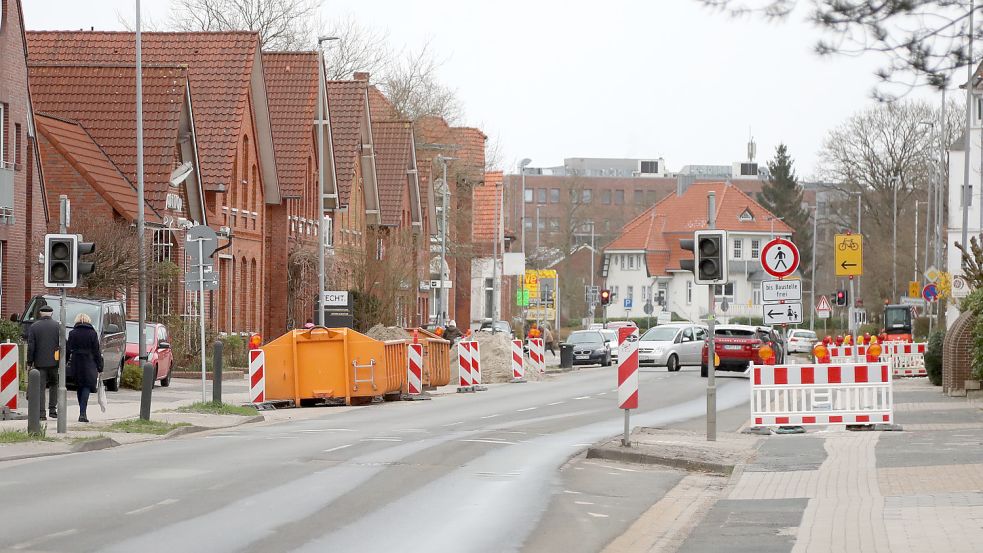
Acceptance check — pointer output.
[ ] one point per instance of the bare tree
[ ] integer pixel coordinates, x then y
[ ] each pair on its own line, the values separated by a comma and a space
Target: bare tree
357, 49
412, 84
922, 41
282, 24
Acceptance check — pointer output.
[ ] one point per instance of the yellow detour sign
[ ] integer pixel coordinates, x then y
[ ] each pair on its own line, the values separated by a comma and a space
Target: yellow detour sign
848, 254
914, 290
532, 282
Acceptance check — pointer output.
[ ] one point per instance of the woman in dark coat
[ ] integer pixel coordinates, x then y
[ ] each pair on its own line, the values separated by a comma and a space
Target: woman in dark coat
84, 359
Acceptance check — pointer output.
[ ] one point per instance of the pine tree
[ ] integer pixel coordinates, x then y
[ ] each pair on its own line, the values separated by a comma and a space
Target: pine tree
782, 196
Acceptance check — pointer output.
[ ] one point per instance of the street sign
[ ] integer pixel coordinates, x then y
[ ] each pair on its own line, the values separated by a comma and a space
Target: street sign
522, 298
930, 292
664, 318
209, 242
914, 289
780, 258
913, 301
823, 308
210, 279
781, 290
932, 274
648, 308
960, 286
335, 298
858, 316
914, 312
848, 254
628, 303
782, 313
436, 284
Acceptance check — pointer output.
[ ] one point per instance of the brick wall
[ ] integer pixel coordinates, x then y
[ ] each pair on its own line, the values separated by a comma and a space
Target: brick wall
61, 178
957, 361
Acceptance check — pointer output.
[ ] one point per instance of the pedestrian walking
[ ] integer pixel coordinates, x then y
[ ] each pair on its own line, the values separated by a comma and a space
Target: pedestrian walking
84, 360
549, 340
42, 353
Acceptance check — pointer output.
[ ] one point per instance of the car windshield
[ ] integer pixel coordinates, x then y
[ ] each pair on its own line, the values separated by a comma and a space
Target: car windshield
805, 334
586, 338
734, 332
500, 326
72, 309
896, 318
661, 334
609, 335
131, 333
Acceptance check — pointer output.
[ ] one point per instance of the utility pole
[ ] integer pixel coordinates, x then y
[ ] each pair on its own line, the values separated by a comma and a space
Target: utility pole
859, 233
591, 301
62, 425
896, 180
442, 307
711, 322
496, 288
969, 117
942, 184
812, 280
148, 384
917, 203
322, 227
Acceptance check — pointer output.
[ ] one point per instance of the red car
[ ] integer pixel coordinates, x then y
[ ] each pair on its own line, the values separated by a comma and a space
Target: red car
158, 349
737, 347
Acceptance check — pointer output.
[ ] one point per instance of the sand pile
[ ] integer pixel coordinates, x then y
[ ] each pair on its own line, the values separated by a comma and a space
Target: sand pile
385, 333
496, 359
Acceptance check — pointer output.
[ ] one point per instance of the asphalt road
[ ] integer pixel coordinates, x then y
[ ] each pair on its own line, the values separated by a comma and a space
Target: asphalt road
464, 472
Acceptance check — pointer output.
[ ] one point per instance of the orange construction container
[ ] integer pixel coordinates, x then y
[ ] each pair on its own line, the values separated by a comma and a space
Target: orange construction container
328, 363
437, 358
396, 368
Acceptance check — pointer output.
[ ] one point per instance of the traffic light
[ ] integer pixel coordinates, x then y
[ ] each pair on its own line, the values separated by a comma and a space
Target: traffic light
60, 254
85, 267
841, 298
709, 264
605, 297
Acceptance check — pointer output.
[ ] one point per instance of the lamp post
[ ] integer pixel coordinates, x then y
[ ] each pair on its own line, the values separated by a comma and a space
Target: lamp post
812, 279
496, 286
859, 196
969, 117
321, 226
896, 181
772, 218
522, 202
142, 357
445, 191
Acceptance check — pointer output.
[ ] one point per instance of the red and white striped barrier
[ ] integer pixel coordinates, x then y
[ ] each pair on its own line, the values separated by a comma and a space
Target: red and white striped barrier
537, 354
475, 364
9, 375
844, 354
464, 364
414, 369
628, 368
821, 394
257, 376
906, 358
902, 348
518, 361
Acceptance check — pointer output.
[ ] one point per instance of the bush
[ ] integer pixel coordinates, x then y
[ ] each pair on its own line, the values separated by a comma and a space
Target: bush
10, 332
974, 302
933, 357
233, 351
132, 377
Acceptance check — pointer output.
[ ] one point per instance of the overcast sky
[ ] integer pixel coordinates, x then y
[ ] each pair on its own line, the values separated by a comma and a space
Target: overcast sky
549, 79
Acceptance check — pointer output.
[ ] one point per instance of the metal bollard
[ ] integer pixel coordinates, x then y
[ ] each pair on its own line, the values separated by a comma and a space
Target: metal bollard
147, 390
34, 405
217, 372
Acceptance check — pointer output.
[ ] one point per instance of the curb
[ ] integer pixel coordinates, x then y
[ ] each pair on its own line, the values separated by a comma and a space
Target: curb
650, 459
93, 445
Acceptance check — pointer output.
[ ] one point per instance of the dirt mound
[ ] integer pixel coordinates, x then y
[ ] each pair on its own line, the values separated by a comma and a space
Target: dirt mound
385, 333
496, 359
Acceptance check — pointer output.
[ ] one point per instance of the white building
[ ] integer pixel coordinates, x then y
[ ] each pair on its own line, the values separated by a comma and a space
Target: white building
642, 264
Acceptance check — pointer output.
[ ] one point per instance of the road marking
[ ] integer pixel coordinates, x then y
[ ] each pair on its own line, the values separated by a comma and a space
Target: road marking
492, 416
410, 430
382, 439
597, 515
526, 409
169, 501
330, 430
489, 441
336, 448
602, 393
583, 502
453, 424
582, 397
48, 537
571, 492
554, 403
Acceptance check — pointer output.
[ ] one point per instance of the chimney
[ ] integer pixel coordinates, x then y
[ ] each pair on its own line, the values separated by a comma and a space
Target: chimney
361, 76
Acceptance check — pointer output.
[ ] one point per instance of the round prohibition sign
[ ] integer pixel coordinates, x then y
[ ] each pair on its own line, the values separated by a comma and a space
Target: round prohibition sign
780, 258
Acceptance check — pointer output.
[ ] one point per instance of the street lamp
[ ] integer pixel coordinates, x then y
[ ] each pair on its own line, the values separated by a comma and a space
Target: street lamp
321, 227
445, 191
522, 201
896, 183
772, 218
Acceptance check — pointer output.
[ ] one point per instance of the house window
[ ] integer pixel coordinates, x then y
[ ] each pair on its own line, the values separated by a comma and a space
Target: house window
648, 167
161, 292
756, 296
630, 295
489, 297
749, 169
606, 197
540, 223
554, 195
745, 216
379, 249
631, 262
554, 224
638, 197
587, 195
619, 197
529, 192
528, 224
737, 248
721, 291
755, 248
663, 292
614, 291
979, 108
541, 195
645, 292
689, 292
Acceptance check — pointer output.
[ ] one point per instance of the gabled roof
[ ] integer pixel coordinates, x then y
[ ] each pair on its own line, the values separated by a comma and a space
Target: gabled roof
346, 106
102, 99
486, 204
291, 88
380, 106
393, 143
657, 230
220, 66
80, 150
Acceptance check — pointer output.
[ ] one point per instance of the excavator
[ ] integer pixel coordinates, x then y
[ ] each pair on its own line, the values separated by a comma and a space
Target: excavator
897, 323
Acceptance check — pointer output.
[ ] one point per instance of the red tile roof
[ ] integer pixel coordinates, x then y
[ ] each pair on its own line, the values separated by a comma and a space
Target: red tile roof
393, 143
291, 89
102, 98
658, 229
219, 67
380, 107
80, 150
486, 202
346, 107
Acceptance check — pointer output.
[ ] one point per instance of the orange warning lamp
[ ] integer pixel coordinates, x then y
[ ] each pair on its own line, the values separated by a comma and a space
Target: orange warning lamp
827, 339
255, 340
766, 354
874, 351
821, 353
716, 360
847, 340
839, 339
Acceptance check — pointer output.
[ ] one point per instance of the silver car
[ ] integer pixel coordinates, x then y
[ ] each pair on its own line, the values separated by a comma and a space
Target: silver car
611, 340
672, 345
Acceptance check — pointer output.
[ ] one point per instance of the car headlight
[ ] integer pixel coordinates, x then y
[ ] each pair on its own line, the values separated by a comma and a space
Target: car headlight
600, 351
658, 351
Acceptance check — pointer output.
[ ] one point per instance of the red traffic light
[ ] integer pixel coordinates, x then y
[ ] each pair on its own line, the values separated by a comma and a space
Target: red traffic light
605, 297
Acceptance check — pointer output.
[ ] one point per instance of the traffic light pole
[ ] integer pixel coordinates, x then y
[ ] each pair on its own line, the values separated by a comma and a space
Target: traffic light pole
711, 323
62, 386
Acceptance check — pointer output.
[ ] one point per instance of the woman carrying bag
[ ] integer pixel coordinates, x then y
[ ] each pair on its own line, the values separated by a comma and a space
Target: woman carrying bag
84, 360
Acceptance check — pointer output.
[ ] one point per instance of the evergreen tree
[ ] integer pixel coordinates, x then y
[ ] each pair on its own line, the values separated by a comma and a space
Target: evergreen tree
782, 196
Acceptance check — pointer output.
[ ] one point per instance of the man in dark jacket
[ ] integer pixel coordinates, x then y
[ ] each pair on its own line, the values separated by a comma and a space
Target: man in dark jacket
42, 352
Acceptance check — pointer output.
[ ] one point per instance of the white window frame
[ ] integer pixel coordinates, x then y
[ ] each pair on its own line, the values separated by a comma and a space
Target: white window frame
631, 262
755, 248
756, 296
720, 291
738, 248
630, 293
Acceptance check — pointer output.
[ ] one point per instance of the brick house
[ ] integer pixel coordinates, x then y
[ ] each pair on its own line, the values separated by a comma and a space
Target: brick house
23, 209
235, 145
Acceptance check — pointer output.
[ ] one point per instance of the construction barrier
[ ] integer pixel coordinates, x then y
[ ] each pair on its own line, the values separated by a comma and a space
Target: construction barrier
518, 361
821, 394
475, 364
9, 375
320, 364
464, 365
628, 368
437, 358
395, 365
844, 354
907, 359
537, 354
414, 369
257, 376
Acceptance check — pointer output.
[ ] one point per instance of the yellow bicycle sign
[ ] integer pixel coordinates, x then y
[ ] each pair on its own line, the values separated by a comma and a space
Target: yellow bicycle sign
848, 250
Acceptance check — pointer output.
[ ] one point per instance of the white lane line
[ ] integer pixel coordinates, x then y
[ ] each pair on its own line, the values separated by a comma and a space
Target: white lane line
330, 430
554, 403
488, 441
48, 537
382, 439
526, 409
336, 448
597, 515
582, 397
583, 502
410, 430
571, 492
168, 501
602, 393
492, 416
453, 424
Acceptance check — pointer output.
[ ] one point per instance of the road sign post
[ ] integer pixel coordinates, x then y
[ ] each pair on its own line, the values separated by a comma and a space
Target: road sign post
782, 313
848, 255
823, 308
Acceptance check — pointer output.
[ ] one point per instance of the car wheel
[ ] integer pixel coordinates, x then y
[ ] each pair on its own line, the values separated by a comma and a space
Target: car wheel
673, 364
113, 384
607, 360
703, 371
166, 381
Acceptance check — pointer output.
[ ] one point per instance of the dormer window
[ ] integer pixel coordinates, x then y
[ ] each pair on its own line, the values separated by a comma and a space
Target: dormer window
745, 216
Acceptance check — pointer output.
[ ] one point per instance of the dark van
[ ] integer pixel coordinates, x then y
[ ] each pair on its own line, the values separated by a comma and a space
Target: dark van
108, 318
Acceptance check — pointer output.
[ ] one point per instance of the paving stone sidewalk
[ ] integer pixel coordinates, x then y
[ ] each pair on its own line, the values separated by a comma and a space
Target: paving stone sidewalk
919, 490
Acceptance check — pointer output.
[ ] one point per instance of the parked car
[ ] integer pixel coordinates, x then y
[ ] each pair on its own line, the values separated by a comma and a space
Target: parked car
159, 352
500, 326
672, 345
801, 341
589, 348
108, 319
737, 347
615, 325
611, 341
